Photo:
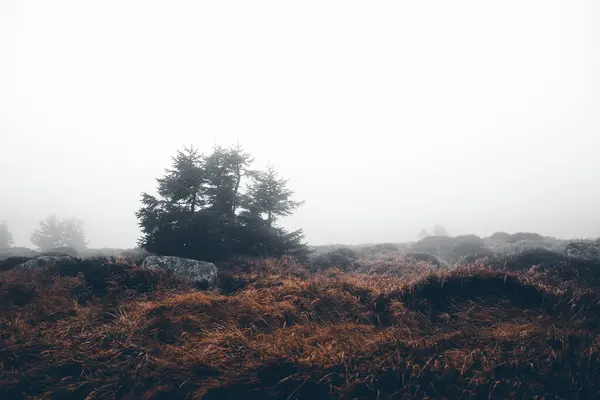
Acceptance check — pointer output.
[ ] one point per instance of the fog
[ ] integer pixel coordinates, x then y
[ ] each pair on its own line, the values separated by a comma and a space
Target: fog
386, 117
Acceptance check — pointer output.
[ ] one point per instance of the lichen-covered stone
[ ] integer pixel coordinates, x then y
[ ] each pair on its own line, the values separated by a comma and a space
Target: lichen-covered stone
194, 270
45, 261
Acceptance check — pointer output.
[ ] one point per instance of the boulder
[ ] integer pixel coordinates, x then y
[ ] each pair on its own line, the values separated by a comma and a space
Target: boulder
61, 251
193, 270
17, 252
45, 261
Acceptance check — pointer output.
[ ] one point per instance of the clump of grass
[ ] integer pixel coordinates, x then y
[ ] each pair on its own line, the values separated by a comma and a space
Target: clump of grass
108, 329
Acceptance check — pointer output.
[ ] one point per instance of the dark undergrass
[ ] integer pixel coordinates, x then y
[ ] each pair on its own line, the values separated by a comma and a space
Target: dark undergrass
106, 329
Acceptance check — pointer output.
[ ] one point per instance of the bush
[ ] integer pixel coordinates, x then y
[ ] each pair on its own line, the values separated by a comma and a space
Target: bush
521, 236
479, 255
385, 248
545, 258
342, 258
439, 246
466, 245
17, 252
501, 236
426, 258
12, 262
583, 249
61, 251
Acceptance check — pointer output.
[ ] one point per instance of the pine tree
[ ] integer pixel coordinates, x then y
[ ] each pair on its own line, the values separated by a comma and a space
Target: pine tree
49, 235
6, 238
182, 192
184, 185
73, 235
54, 232
225, 169
240, 162
269, 195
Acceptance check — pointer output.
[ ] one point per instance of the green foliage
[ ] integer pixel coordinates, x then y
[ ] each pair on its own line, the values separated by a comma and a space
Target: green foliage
6, 238
203, 212
54, 233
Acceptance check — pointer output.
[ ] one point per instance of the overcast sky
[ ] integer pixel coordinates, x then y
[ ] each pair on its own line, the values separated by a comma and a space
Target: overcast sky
386, 116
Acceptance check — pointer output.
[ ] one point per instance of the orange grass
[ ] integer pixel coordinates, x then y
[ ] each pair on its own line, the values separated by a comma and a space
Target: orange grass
114, 331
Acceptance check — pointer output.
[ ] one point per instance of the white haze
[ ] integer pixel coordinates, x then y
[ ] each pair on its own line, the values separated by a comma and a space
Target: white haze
387, 117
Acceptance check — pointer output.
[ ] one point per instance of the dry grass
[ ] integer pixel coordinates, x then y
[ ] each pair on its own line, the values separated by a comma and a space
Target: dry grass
114, 331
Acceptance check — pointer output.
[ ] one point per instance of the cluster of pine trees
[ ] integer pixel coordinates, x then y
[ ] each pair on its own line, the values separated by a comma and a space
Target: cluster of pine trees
215, 206
208, 207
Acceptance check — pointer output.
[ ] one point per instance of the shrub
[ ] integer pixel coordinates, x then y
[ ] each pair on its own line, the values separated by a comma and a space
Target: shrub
439, 246
527, 258
385, 248
466, 245
501, 236
482, 255
17, 252
426, 258
342, 258
12, 262
61, 251
520, 236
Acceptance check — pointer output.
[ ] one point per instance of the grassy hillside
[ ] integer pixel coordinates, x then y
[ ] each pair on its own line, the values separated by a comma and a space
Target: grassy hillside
103, 330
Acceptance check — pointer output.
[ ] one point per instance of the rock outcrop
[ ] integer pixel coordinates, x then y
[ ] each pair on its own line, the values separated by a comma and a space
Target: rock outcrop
45, 261
193, 270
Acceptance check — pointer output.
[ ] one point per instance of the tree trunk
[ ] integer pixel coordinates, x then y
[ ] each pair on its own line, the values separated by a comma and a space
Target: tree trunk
238, 176
194, 198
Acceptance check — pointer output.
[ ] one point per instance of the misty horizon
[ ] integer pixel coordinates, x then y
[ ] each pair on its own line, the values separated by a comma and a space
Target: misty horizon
385, 119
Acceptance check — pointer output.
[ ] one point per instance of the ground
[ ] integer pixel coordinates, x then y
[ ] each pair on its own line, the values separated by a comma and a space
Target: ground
104, 330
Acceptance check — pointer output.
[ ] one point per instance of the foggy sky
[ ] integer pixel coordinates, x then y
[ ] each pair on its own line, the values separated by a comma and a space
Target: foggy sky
387, 117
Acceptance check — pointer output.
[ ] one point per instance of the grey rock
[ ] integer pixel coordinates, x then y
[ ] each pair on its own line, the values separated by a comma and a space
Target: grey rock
61, 251
44, 261
194, 270
17, 252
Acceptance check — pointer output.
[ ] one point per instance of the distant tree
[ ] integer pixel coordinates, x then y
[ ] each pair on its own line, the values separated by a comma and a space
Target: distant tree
440, 230
203, 211
49, 234
6, 238
54, 233
423, 233
73, 234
